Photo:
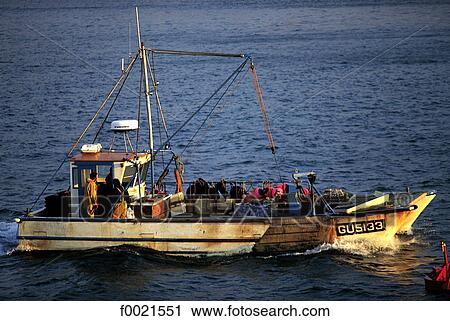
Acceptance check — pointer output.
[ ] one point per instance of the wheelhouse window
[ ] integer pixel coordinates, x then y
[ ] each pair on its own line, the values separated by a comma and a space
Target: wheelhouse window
103, 171
144, 171
74, 177
85, 176
128, 175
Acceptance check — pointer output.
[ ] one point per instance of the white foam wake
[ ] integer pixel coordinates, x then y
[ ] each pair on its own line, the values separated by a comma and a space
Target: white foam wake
8, 240
367, 247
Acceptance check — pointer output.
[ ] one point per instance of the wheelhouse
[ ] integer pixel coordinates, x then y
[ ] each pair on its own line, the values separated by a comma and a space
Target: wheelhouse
129, 168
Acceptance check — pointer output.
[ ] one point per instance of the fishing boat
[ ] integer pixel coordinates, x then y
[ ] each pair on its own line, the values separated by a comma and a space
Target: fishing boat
206, 219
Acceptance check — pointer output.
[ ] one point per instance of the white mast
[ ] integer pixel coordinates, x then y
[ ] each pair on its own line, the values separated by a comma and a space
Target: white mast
147, 97
138, 28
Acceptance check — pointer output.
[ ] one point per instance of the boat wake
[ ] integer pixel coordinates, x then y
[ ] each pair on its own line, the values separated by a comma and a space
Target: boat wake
8, 240
366, 248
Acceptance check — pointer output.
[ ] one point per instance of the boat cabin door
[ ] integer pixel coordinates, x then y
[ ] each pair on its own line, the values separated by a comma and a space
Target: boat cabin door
79, 177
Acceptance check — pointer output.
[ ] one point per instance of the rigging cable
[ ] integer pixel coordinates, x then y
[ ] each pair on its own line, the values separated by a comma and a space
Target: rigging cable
160, 114
212, 110
265, 116
155, 87
233, 77
197, 53
353, 71
201, 106
139, 107
101, 107
83, 133
160, 137
223, 105
138, 170
113, 103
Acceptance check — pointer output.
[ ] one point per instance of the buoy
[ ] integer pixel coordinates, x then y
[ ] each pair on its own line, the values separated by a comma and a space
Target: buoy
438, 280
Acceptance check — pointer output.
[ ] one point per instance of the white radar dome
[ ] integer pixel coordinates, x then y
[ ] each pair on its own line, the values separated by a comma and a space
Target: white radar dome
124, 125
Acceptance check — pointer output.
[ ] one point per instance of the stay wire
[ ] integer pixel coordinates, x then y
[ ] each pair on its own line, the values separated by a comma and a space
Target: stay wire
212, 109
278, 166
113, 103
160, 135
274, 155
201, 106
155, 88
139, 108
80, 137
48, 183
100, 109
223, 104
352, 71
158, 103
236, 72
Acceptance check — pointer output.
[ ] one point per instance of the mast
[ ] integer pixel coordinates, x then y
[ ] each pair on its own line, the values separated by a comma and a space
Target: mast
138, 28
147, 97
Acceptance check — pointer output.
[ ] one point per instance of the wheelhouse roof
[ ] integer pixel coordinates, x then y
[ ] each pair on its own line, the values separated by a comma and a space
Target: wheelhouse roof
107, 157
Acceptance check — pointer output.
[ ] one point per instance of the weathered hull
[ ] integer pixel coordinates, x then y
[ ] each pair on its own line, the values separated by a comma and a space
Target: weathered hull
216, 236
177, 237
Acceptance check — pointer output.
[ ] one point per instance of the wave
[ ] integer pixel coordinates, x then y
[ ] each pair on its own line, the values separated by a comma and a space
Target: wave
6, 213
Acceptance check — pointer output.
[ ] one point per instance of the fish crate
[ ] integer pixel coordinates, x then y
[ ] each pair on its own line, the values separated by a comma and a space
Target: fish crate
177, 204
157, 207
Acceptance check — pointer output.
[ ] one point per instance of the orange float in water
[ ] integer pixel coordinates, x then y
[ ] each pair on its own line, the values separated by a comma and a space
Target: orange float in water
438, 280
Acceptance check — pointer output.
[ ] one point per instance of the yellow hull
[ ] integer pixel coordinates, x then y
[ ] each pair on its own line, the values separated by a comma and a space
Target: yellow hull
395, 222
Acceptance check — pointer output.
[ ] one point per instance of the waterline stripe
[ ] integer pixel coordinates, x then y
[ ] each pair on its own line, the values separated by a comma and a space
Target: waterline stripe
133, 239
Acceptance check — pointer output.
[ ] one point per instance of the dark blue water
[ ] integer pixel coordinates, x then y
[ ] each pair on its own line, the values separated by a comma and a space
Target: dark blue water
378, 125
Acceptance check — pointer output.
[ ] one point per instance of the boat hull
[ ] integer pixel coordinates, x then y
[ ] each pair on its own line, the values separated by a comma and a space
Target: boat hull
175, 237
220, 236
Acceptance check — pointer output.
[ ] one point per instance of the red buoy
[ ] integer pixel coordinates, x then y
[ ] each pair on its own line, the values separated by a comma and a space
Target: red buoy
438, 280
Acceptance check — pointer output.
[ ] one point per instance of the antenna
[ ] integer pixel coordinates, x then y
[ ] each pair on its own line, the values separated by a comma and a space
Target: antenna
129, 39
138, 28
